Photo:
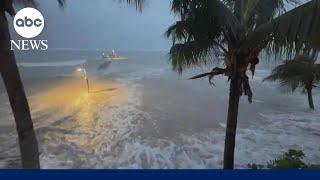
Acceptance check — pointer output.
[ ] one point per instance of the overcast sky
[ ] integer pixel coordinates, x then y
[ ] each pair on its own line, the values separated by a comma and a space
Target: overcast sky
94, 24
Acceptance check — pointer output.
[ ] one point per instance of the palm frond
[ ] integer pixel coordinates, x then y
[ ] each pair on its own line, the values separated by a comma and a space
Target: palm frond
138, 4
200, 32
300, 72
190, 54
61, 3
258, 12
212, 12
291, 32
28, 3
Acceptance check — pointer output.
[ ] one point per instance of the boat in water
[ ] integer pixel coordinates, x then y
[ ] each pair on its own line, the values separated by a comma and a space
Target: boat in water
113, 56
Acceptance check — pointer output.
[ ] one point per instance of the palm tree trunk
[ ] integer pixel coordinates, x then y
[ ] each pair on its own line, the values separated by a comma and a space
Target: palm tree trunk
232, 120
310, 98
17, 97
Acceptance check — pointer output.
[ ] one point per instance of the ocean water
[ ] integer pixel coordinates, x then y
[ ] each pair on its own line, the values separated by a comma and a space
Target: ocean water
140, 114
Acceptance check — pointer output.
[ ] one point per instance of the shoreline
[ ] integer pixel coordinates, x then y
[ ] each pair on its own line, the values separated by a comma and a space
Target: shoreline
157, 119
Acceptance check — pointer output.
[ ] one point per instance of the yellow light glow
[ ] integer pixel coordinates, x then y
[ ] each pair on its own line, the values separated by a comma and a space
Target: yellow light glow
66, 105
69, 98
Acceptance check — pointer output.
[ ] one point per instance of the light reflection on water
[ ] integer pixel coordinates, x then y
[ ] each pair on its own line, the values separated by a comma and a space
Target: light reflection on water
79, 118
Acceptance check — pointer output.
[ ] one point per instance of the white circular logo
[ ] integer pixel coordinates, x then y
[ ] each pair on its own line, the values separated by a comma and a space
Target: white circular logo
28, 22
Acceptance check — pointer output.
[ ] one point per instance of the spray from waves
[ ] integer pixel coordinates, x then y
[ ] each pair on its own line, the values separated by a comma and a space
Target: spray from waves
92, 131
117, 143
131, 78
205, 150
111, 138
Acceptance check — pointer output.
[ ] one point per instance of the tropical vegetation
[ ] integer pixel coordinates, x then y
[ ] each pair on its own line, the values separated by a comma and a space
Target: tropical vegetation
238, 31
293, 159
301, 72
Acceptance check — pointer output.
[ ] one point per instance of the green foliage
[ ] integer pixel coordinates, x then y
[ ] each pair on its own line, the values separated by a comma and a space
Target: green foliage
301, 72
290, 32
200, 31
293, 159
256, 166
210, 26
290, 160
237, 31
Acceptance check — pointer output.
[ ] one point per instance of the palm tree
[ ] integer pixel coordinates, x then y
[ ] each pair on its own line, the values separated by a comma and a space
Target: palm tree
301, 72
11, 77
28, 143
15, 90
239, 30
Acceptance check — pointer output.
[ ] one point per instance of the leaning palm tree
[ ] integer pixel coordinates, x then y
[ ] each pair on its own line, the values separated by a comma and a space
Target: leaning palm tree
301, 72
11, 77
238, 30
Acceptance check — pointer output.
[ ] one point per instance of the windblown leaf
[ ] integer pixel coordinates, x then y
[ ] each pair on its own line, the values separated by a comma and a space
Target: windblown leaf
138, 4
301, 72
190, 54
200, 32
291, 32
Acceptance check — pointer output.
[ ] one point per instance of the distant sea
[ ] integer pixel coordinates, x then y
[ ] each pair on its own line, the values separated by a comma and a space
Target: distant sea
141, 114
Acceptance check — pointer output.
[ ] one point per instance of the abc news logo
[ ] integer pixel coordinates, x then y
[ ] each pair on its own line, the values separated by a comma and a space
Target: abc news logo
29, 23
